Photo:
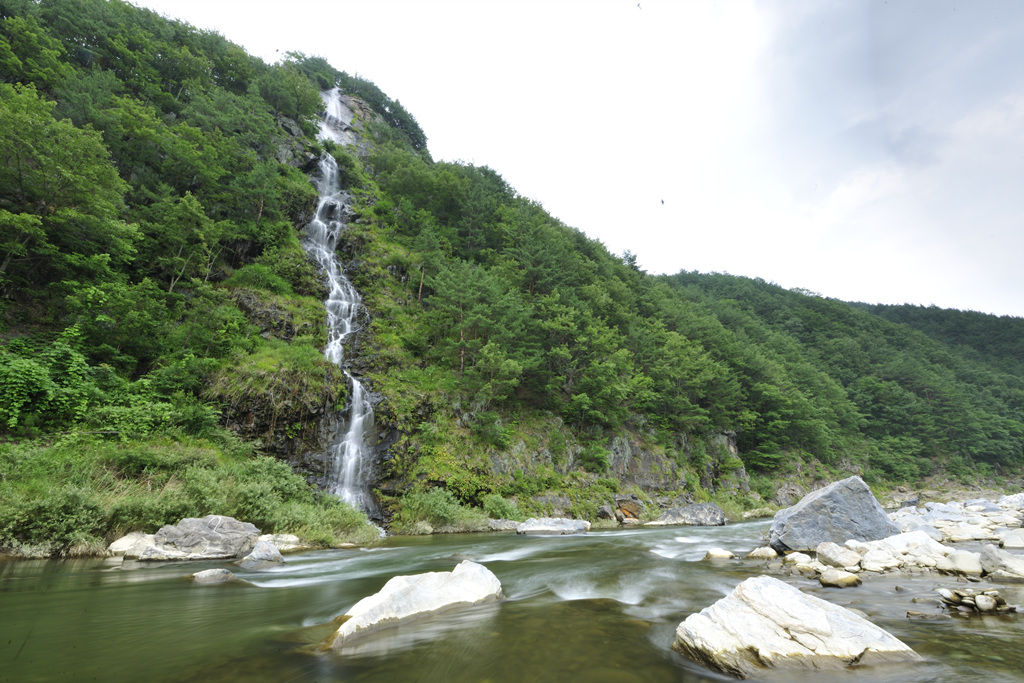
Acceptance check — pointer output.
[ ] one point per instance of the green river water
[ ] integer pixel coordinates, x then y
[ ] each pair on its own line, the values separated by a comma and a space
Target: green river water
600, 607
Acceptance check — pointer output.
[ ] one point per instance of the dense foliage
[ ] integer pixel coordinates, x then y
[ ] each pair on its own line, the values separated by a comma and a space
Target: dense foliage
153, 186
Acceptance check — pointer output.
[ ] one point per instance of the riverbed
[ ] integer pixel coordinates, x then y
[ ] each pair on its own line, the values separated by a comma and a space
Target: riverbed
600, 607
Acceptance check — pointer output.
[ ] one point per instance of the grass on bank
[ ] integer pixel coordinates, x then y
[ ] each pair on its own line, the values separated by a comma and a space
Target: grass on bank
75, 496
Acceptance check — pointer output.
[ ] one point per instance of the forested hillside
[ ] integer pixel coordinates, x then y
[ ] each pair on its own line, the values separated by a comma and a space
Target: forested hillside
163, 329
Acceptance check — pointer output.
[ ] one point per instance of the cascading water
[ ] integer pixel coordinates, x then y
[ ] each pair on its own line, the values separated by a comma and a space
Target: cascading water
349, 454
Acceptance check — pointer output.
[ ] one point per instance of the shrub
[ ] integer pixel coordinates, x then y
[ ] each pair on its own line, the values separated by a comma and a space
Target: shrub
54, 523
497, 507
594, 458
439, 509
258, 276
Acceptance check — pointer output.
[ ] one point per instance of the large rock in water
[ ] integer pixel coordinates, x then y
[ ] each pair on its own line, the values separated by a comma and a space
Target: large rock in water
697, 514
214, 537
406, 597
767, 624
843, 511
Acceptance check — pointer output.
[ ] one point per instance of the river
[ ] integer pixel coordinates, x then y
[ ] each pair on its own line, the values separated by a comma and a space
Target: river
600, 607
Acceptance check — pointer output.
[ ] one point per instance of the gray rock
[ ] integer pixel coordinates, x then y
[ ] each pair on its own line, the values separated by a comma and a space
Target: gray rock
788, 494
553, 526
407, 597
212, 576
995, 560
839, 512
630, 506
502, 524
982, 505
605, 512
1001, 576
767, 624
264, 556
557, 504
214, 537
698, 514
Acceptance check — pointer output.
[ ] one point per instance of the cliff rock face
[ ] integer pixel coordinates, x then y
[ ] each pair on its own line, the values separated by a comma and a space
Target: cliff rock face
631, 464
651, 470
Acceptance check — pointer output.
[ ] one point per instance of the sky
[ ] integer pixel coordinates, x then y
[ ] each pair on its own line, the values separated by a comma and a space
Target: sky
866, 151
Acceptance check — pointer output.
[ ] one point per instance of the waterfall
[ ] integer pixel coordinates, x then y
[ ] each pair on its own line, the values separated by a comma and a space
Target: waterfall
349, 454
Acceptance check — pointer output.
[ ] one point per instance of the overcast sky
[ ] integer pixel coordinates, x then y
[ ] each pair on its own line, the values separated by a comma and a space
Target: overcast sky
865, 150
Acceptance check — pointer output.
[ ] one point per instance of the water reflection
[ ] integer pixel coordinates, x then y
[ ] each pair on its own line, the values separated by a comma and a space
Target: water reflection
597, 607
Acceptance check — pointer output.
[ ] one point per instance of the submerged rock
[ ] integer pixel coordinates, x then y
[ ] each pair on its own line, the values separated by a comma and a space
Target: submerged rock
553, 525
406, 597
839, 512
264, 556
767, 624
697, 514
212, 576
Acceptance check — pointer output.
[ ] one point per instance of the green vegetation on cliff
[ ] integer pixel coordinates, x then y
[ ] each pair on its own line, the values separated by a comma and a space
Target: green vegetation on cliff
156, 299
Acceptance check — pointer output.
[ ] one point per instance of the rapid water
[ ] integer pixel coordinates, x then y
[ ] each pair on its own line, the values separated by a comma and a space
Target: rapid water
600, 607
350, 455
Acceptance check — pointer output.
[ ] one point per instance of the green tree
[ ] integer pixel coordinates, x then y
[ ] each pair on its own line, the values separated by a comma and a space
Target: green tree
61, 198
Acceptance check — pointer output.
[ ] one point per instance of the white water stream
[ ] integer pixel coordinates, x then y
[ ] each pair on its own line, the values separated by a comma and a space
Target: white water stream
349, 452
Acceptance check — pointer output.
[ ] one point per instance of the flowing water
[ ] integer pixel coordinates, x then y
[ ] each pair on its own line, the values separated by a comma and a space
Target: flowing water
600, 607
350, 455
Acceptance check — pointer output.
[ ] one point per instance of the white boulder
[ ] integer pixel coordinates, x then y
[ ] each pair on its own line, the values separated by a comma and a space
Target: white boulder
835, 555
837, 578
407, 597
1014, 502
961, 562
767, 624
124, 544
553, 526
1012, 539
764, 553
995, 560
